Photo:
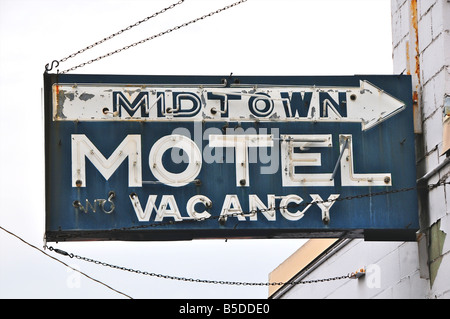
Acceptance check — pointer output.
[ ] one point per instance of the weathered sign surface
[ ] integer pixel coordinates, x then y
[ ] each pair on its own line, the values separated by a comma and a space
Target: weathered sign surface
185, 157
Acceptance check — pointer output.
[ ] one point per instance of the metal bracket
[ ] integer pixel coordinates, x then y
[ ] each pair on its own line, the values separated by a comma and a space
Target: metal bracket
358, 274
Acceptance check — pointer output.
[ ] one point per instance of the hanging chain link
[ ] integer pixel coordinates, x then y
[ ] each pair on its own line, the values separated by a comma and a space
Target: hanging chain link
55, 63
187, 279
123, 30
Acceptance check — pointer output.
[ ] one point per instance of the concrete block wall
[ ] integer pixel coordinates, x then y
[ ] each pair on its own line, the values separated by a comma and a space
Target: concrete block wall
392, 271
421, 47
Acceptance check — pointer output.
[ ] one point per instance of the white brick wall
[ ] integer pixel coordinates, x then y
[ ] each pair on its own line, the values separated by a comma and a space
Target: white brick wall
392, 272
413, 269
434, 55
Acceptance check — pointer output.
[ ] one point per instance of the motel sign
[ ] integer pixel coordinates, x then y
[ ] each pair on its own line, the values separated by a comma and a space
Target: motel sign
187, 157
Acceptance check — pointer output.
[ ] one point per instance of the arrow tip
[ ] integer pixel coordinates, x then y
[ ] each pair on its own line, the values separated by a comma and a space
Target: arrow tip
384, 105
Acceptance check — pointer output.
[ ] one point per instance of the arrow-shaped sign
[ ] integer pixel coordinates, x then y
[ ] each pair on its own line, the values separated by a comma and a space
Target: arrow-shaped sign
366, 104
372, 105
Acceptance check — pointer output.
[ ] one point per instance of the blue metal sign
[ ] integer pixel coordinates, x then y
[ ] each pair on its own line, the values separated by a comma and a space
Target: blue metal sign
186, 157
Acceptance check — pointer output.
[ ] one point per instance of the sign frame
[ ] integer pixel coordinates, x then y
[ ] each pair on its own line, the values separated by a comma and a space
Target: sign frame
392, 135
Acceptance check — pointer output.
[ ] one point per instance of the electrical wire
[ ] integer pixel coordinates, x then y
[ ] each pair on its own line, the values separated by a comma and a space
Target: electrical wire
56, 259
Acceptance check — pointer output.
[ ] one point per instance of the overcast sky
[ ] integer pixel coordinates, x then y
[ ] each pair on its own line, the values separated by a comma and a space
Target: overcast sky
259, 37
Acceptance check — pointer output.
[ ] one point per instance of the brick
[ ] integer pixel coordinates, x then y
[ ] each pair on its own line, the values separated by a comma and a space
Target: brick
447, 204
409, 258
396, 4
400, 25
441, 81
447, 80
406, 18
399, 57
432, 59
401, 290
424, 5
419, 287
390, 269
428, 98
425, 31
431, 161
385, 294
436, 198
433, 128
445, 6
446, 46
442, 281
437, 19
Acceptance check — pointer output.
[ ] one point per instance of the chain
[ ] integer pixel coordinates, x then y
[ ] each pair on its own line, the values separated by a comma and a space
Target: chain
223, 217
186, 279
55, 63
206, 281
50, 67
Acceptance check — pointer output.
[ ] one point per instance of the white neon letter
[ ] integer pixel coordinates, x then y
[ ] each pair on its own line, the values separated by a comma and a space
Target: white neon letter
232, 205
292, 199
289, 160
255, 203
348, 176
324, 205
190, 206
167, 208
241, 143
130, 147
175, 179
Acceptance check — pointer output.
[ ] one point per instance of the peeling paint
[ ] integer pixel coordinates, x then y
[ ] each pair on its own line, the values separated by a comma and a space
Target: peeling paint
70, 96
437, 239
275, 116
86, 96
131, 92
61, 96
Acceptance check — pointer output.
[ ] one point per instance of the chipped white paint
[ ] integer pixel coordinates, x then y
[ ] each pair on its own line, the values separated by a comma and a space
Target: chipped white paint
365, 104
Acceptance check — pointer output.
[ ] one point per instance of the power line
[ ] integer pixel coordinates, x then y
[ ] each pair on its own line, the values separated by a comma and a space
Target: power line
74, 269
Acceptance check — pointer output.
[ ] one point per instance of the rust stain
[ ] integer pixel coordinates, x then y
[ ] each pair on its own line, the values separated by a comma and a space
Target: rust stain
414, 24
56, 99
415, 96
414, 41
408, 67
